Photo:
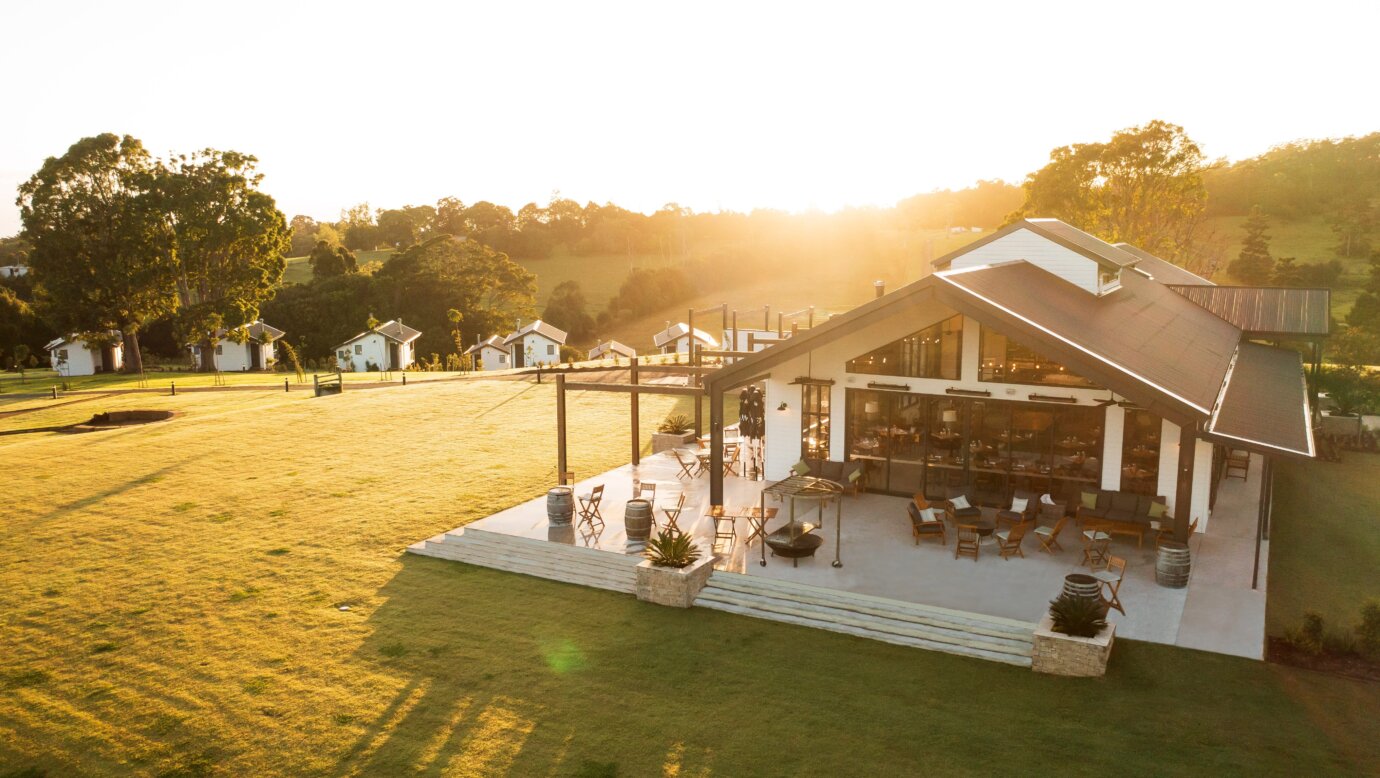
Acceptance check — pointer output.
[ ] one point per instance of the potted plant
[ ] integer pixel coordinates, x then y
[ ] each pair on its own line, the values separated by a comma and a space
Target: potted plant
674, 432
674, 571
1074, 637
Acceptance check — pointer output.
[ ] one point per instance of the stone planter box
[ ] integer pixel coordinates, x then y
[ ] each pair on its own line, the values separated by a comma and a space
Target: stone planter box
665, 441
675, 587
1058, 654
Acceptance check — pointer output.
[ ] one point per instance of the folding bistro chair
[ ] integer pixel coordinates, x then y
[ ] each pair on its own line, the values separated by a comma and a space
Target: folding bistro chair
1111, 582
673, 514
724, 529
758, 522
1010, 540
1095, 545
646, 490
688, 467
589, 507
731, 459
1049, 536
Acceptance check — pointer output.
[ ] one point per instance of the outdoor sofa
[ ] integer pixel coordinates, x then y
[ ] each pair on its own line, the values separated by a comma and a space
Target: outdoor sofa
1121, 513
846, 474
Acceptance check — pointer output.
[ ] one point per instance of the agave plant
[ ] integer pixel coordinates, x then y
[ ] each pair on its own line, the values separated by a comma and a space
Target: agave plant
1081, 617
669, 549
677, 424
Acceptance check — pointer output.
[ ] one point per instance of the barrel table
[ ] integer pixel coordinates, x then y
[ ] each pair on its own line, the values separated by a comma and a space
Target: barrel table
1172, 565
637, 523
560, 506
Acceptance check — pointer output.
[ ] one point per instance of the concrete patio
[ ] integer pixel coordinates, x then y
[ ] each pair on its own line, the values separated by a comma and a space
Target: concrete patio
1218, 611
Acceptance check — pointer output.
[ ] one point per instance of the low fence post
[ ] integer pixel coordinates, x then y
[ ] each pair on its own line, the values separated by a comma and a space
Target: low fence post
54, 391
285, 385
404, 379
173, 386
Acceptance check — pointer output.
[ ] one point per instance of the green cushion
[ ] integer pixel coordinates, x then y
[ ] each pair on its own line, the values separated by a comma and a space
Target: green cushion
1090, 500
800, 468
855, 475
1157, 510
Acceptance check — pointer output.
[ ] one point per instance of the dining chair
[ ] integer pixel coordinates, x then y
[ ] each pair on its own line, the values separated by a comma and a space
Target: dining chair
1009, 540
967, 544
589, 507
1049, 536
687, 466
1095, 544
1111, 579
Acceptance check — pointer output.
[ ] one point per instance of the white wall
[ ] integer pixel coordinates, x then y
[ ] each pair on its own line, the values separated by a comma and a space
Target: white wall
1113, 438
492, 358
681, 345
373, 347
1169, 473
235, 357
83, 360
760, 339
1037, 250
544, 351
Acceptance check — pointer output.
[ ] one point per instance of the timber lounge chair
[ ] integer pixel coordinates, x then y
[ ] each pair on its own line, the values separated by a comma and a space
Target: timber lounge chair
925, 521
960, 508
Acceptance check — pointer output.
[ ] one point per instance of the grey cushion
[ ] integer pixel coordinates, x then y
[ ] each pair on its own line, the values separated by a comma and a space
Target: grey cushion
963, 513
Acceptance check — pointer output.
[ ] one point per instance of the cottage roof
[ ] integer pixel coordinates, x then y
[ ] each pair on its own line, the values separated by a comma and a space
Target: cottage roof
612, 347
493, 341
679, 330
392, 329
540, 328
1066, 235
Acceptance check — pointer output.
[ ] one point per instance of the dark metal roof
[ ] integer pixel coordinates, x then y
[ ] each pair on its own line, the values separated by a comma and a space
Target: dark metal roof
493, 341
1267, 310
1068, 236
1265, 402
1161, 270
1142, 330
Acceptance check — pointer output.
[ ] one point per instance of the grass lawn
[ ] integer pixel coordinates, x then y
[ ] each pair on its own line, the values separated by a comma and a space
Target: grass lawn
1324, 548
44, 380
170, 604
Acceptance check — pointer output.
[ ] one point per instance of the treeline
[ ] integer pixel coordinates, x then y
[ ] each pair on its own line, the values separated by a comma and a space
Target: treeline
1299, 180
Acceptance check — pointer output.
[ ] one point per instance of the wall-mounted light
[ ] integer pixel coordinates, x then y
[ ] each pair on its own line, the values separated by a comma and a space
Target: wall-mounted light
782, 407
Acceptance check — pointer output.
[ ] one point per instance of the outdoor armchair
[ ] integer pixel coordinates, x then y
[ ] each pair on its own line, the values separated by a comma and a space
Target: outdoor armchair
925, 522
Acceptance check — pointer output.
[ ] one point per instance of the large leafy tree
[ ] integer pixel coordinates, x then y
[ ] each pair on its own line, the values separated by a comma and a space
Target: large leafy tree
428, 280
1143, 186
99, 254
567, 309
329, 260
228, 240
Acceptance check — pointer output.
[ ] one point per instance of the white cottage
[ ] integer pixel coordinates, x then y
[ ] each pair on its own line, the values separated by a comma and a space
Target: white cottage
489, 354
537, 343
258, 352
747, 339
675, 339
74, 356
386, 347
612, 349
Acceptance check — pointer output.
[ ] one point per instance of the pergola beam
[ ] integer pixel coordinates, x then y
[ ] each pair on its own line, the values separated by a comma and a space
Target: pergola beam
636, 389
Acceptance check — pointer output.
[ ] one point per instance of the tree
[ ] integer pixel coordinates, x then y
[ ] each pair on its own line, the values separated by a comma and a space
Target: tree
1144, 186
228, 239
100, 256
566, 308
1254, 265
358, 228
303, 234
1287, 273
328, 260
1353, 225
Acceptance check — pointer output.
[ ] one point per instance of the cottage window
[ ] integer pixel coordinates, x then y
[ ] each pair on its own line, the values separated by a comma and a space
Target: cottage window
502, 359
342, 354
934, 352
219, 350
550, 349
62, 354
359, 349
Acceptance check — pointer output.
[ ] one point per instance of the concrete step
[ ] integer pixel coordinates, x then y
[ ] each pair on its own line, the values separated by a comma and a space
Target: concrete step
880, 607
576, 554
744, 606
553, 561
938, 636
540, 569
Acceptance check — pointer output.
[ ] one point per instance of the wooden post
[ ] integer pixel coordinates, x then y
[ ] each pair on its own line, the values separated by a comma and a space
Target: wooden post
695, 381
285, 385
735, 346
1261, 514
560, 429
1183, 491
766, 318
716, 445
636, 436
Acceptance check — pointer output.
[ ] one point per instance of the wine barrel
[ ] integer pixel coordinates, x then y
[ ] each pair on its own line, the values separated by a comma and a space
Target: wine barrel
560, 506
1082, 585
1172, 565
637, 522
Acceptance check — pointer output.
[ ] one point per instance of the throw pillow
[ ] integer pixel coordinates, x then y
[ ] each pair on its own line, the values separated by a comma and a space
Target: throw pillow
855, 475
960, 502
1157, 510
927, 515
800, 468
1018, 504
1090, 500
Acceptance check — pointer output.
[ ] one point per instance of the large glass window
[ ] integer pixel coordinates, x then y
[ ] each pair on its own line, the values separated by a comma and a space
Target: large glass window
911, 443
1006, 361
1140, 453
814, 421
934, 352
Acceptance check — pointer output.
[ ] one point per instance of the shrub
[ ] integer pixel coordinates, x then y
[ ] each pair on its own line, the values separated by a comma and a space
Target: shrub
669, 549
1368, 631
1307, 638
675, 424
1080, 617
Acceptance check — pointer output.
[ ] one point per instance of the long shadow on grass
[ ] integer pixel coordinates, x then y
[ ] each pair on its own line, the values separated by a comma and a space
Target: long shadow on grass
116, 489
504, 402
504, 673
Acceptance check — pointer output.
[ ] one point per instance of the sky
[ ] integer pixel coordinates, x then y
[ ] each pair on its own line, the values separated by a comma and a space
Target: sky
715, 106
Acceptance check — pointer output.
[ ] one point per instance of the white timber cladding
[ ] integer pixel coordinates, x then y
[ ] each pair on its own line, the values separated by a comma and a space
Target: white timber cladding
232, 357
493, 358
75, 358
830, 360
368, 349
1039, 251
680, 345
535, 349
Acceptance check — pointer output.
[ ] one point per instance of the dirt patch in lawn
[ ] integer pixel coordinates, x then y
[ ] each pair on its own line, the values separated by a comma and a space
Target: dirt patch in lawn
113, 419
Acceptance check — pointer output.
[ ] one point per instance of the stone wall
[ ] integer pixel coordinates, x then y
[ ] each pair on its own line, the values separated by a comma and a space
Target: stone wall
1058, 654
